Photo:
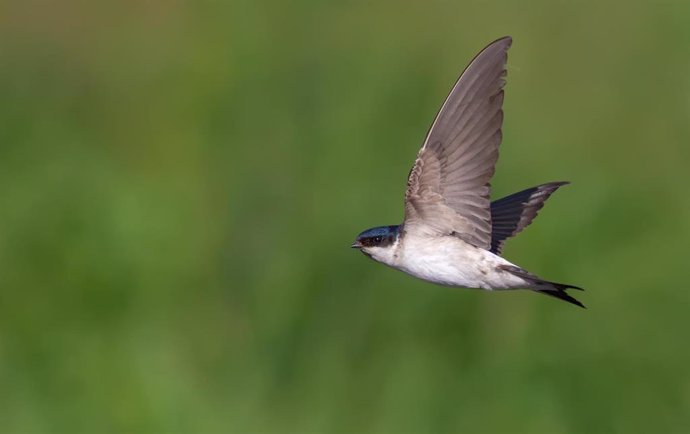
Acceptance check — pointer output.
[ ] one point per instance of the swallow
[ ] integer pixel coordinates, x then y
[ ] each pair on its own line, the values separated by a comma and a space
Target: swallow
452, 234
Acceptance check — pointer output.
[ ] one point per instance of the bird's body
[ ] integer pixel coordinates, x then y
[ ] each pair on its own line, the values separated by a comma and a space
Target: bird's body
449, 261
453, 234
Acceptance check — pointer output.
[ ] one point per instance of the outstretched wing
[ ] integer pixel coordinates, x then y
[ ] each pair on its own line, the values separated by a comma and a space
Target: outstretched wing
511, 214
448, 187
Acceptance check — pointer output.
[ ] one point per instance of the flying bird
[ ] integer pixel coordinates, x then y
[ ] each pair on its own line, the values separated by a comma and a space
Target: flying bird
452, 234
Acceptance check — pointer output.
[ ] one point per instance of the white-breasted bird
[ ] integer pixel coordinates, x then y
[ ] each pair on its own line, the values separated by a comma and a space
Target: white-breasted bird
452, 233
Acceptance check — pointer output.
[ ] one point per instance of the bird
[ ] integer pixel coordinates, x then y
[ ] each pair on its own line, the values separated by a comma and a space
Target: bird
452, 233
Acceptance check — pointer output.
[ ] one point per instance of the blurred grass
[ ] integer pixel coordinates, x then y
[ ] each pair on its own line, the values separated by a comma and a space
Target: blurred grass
179, 183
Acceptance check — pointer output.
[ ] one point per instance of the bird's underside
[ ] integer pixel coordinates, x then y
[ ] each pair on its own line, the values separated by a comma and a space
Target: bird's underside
451, 261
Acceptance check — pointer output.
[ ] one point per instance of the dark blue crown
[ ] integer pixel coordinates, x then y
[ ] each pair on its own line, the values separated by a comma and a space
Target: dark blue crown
381, 231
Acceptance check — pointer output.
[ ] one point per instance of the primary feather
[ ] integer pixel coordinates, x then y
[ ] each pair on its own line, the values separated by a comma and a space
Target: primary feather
448, 188
513, 213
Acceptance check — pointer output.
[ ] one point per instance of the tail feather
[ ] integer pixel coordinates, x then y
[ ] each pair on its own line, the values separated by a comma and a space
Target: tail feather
553, 289
559, 292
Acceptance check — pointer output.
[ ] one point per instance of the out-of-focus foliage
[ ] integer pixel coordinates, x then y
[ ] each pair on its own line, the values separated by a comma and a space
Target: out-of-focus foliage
180, 182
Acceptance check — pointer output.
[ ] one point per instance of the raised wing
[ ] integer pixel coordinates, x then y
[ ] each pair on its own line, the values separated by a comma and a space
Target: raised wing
511, 214
448, 187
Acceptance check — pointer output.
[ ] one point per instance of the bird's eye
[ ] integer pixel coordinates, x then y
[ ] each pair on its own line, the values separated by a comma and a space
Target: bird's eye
378, 240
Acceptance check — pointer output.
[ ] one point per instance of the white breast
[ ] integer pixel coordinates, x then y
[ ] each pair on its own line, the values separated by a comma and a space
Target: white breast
450, 261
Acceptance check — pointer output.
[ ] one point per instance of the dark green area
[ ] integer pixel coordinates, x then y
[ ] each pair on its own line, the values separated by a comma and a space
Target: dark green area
180, 182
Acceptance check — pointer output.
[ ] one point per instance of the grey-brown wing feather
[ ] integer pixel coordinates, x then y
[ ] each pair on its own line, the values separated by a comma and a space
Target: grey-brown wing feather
448, 187
511, 214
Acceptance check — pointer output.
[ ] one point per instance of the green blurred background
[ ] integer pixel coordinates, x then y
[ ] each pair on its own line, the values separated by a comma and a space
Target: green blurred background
180, 182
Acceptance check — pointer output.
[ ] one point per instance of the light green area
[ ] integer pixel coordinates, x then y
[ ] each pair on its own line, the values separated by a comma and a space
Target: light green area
180, 182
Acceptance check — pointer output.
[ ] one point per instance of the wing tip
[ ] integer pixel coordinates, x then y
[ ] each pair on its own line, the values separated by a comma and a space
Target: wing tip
551, 187
503, 44
506, 40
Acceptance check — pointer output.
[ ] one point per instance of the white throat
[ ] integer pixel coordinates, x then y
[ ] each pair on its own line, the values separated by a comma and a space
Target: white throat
388, 255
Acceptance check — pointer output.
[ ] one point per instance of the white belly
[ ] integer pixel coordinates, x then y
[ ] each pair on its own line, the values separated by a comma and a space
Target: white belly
450, 261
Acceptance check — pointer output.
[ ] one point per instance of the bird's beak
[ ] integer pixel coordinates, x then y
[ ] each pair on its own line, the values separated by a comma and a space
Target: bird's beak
356, 245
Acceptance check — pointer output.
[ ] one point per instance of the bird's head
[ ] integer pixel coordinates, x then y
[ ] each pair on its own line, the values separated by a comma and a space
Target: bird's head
377, 242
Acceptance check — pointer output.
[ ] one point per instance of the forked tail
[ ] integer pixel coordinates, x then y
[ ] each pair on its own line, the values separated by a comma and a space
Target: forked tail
542, 286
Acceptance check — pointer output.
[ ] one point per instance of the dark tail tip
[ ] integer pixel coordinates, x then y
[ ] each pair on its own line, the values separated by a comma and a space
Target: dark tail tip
565, 286
562, 295
557, 290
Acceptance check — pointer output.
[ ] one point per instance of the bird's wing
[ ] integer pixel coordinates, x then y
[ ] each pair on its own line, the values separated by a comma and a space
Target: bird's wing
448, 187
511, 214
